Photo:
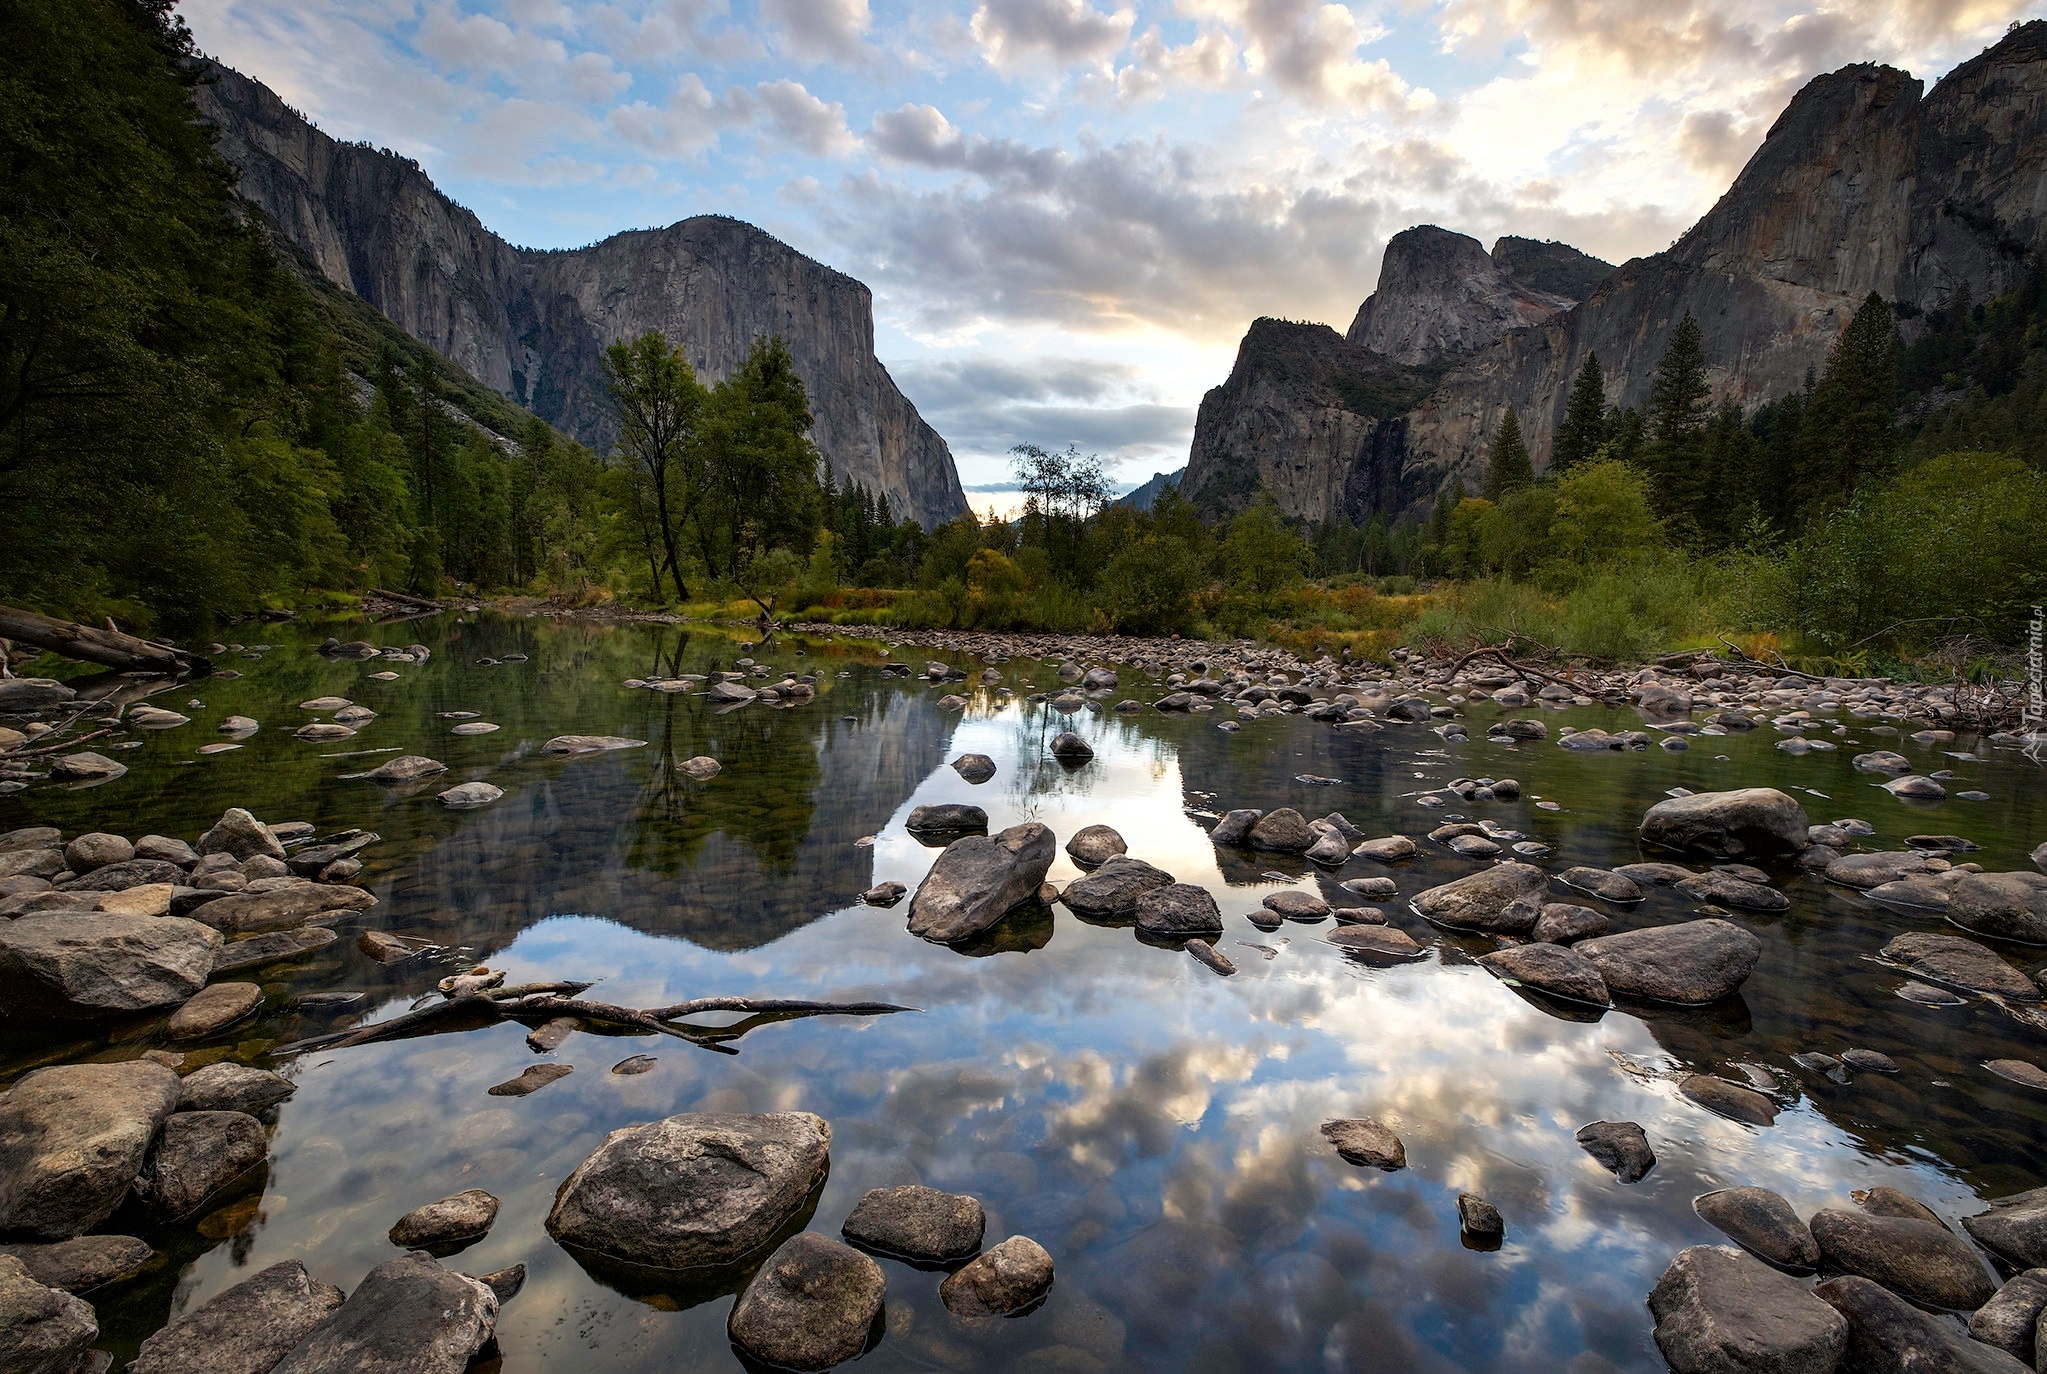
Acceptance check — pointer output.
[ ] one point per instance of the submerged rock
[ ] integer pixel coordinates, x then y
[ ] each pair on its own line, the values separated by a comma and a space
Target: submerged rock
978, 880
1731, 1100
467, 796
811, 1306
1719, 1311
1390, 849
1912, 1256
246, 1329
1621, 1147
1366, 1142
1008, 1280
691, 1190
212, 1010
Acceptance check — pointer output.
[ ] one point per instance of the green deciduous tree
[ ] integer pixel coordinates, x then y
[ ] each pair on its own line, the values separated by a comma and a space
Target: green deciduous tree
660, 405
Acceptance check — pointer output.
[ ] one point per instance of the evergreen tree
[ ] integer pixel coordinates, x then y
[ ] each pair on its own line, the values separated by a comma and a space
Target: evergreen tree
1507, 465
1679, 412
1583, 430
1730, 458
1853, 429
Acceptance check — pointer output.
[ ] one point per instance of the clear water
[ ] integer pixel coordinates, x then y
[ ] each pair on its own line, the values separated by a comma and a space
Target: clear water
1153, 1125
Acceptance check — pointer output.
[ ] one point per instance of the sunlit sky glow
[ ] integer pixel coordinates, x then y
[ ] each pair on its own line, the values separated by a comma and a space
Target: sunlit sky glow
1069, 210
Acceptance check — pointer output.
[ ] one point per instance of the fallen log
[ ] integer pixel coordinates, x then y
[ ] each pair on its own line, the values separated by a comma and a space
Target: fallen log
407, 599
90, 645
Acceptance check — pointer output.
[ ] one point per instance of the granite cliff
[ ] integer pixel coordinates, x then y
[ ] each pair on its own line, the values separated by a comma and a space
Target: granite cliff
1440, 294
1863, 184
533, 325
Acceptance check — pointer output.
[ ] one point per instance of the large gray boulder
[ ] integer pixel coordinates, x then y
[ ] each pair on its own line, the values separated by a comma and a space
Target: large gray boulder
1284, 831
286, 908
407, 1316
811, 1306
1919, 1259
1690, 963
2004, 906
979, 879
73, 1138
240, 834
1505, 899
2014, 1227
1008, 1280
76, 965
1886, 1333
2010, 1320
198, 1155
82, 1263
917, 1223
1961, 963
1749, 822
943, 816
1763, 1223
42, 1330
1720, 1311
230, 1087
1114, 887
1177, 911
691, 1191
245, 1329
1550, 969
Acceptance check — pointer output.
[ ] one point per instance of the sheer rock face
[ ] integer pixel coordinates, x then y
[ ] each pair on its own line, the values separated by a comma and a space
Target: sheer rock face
534, 325
1865, 183
1440, 294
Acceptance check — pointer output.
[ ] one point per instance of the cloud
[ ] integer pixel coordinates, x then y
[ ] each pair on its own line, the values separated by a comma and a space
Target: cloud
791, 116
922, 136
1715, 143
1309, 50
1210, 60
638, 34
782, 113
814, 31
1015, 34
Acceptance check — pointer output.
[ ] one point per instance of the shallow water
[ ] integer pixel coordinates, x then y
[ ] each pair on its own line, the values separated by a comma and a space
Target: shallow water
1153, 1125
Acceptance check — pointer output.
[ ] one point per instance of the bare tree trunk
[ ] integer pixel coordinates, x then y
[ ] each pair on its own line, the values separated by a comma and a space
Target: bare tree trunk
88, 645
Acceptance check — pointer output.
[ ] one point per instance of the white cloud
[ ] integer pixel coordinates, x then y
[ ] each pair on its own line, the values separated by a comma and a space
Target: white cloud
791, 116
1309, 50
1015, 34
813, 31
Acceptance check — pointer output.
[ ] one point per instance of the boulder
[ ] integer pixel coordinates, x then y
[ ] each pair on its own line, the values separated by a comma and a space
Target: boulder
259, 950
1094, 845
1875, 868
1007, 1280
1731, 1100
1332, 849
2014, 1228
980, 879
84, 1263
43, 1330
1886, 1333
2004, 906
811, 1306
701, 768
76, 965
1375, 941
86, 766
947, 816
1068, 747
1750, 822
120, 877
1719, 1311
1621, 1147
151, 899
1480, 1222
1550, 969
1364, 1141
916, 1223
72, 1139
2010, 1320
1764, 1224
284, 908
1389, 849
241, 836
975, 768
1690, 963
1724, 889
96, 850
1610, 887
31, 862
1562, 923
1284, 831
691, 1191
1916, 1258
230, 1087
443, 1227
1178, 909
212, 1010
407, 1316
1113, 888
406, 768
25, 694
1504, 899
1915, 787
245, 1329
1961, 963
465, 796
1235, 827
197, 1155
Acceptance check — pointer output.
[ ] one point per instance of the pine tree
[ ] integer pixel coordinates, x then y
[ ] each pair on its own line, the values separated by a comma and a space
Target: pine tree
1679, 412
1852, 422
1507, 466
1584, 427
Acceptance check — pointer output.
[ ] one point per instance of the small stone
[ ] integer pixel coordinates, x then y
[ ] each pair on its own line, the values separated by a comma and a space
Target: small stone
442, 1228
1479, 1222
212, 1010
1621, 1147
1730, 1100
1612, 887
702, 768
1562, 923
535, 1078
1093, 845
1283, 831
465, 796
1375, 941
1068, 747
406, 768
589, 744
975, 768
549, 1035
916, 1223
1235, 827
884, 894
1364, 1141
1008, 1280
1763, 1223
1372, 889
634, 1064
1869, 1061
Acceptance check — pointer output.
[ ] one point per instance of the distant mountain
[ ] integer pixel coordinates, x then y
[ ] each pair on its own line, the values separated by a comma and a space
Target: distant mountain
1862, 185
1141, 497
533, 325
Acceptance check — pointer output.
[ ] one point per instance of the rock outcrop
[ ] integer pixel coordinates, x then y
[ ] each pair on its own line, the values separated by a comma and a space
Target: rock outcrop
534, 325
1441, 295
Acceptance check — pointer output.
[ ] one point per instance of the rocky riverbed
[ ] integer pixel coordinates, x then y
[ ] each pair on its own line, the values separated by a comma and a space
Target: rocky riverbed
1270, 1014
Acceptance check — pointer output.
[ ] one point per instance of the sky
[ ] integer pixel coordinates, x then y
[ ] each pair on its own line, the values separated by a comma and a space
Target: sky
1070, 210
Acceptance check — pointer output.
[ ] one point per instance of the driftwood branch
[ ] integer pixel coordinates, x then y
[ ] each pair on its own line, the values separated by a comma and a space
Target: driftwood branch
89, 645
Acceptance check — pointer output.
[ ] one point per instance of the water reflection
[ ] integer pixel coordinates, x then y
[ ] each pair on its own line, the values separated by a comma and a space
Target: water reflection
1153, 1125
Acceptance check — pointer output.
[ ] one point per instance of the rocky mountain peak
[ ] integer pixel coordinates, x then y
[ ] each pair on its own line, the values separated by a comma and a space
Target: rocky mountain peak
1441, 295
